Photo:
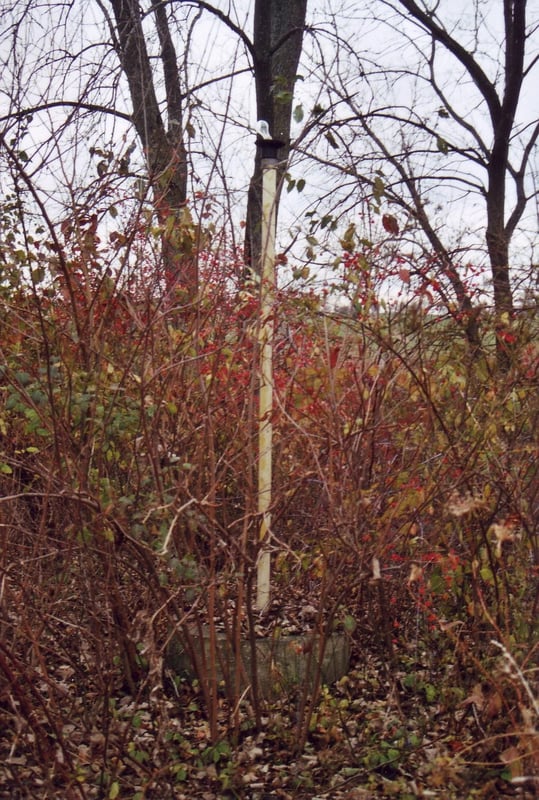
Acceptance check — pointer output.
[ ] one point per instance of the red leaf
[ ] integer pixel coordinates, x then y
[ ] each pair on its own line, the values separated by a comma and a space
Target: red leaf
507, 337
404, 275
334, 356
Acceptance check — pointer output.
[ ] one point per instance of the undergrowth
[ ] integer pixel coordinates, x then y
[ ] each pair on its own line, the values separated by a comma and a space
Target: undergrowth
405, 508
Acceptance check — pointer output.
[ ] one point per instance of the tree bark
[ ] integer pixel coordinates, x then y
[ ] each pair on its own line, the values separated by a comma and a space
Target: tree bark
498, 234
503, 120
163, 147
277, 43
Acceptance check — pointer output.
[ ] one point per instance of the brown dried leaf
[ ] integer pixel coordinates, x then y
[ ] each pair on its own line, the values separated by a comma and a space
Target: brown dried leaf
460, 505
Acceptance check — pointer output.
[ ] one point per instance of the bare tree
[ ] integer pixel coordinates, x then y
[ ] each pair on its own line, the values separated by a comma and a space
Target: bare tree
435, 111
163, 144
151, 42
275, 52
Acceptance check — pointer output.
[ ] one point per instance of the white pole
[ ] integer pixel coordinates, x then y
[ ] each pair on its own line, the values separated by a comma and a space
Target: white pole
265, 402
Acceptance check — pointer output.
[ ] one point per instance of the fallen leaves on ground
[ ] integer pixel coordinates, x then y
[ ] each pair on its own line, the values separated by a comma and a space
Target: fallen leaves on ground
370, 737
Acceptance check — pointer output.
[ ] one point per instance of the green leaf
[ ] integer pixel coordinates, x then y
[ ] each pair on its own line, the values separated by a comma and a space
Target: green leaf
23, 377
325, 221
301, 273
442, 145
300, 185
378, 188
430, 692
298, 113
437, 583
114, 790
283, 96
486, 575
348, 240
349, 623
180, 773
410, 680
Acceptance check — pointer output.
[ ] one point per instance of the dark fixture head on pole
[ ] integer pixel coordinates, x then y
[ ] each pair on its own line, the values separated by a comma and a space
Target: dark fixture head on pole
269, 147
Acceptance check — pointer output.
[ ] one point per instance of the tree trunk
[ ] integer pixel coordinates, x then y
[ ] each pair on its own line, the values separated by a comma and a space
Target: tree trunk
277, 44
163, 147
502, 109
498, 233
